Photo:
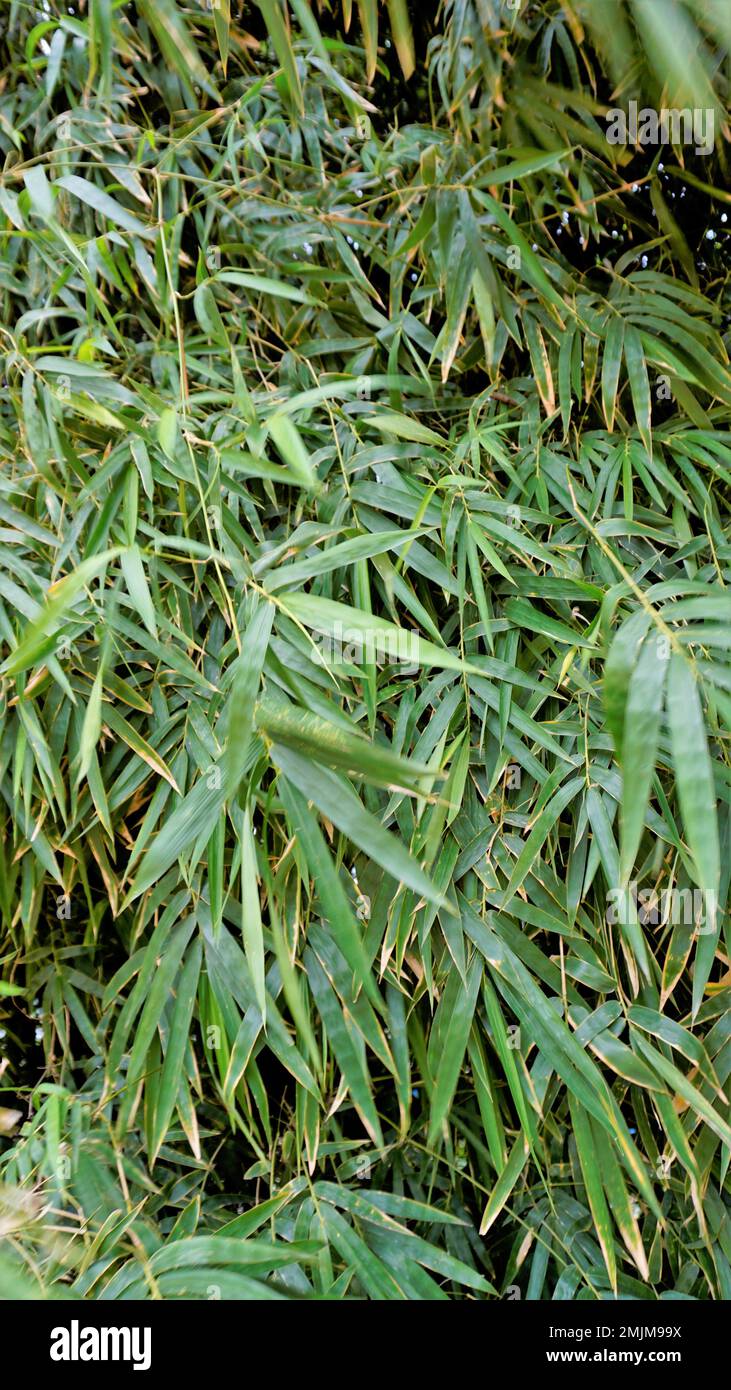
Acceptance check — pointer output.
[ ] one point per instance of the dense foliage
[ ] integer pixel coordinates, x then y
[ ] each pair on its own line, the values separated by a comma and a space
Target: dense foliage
365, 775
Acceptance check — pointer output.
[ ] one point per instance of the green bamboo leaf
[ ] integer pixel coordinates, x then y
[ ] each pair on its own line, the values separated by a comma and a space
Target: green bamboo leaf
634, 356
251, 913
590, 1169
694, 778
40, 635
138, 588
341, 555
642, 715
103, 203
351, 625
377, 1279
278, 33
143, 750
677, 1037
176, 42
259, 1255
332, 744
530, 265
333, 899
524, 614
264, 283
222, 22
335, 798
194, 817
458, 1004
172, 1071
522, 168
619, 1202
346, 1045
206, 308
618, 672
40, 191
685, 1088
506, 1182
611, 363
538, 835
368, 11
91, 727
402, 427
247, 675
289, 442
149, 1022
402, 35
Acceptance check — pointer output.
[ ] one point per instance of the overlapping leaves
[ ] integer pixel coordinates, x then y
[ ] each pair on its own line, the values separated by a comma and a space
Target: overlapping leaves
364, 674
